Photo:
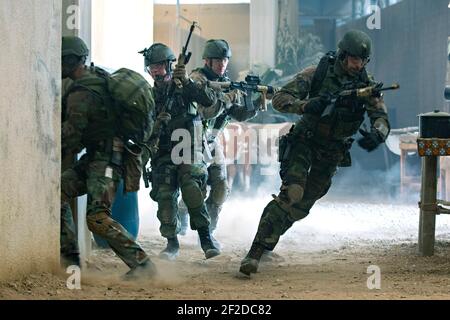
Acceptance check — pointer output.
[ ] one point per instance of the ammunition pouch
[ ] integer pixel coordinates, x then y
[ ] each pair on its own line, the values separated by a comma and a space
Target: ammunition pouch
133, 167
284, 148
165, 175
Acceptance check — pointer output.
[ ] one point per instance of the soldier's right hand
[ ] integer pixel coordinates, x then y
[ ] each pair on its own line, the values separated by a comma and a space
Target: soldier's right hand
234, 96
164, 117
181, 74
316, 105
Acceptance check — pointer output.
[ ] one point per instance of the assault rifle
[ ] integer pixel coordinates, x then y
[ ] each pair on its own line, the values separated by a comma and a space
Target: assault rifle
183, 59
358, 93
250, 85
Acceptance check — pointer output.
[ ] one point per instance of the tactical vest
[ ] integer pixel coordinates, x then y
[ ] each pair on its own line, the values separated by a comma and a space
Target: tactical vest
218, 124
183, 113
101, 125
348, 114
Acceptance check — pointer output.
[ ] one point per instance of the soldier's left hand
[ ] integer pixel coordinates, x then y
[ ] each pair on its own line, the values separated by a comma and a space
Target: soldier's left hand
370, 140
181, 74
269, 96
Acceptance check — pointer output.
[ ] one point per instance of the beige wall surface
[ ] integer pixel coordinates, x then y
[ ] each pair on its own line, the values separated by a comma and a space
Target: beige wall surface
30, 40
219, 21
120, 29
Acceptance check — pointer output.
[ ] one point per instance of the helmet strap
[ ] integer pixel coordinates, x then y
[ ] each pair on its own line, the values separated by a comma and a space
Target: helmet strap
169, 67
210, 62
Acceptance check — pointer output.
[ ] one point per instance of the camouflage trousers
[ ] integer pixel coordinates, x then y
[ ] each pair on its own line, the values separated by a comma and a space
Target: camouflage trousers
306, 177
168, 180
99, 181
218, 194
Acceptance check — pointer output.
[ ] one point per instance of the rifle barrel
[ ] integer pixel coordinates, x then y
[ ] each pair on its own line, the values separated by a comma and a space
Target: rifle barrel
395, 86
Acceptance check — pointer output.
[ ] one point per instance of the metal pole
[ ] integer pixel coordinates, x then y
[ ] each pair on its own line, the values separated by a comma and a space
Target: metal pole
178, 26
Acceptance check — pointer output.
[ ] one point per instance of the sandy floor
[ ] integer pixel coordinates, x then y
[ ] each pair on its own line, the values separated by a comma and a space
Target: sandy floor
326, 256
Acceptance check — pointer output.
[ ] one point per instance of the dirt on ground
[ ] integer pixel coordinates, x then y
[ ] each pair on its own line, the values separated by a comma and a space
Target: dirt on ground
331, 254
326, 274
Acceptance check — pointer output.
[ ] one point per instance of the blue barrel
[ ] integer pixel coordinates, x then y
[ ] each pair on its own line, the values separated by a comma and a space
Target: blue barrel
126, 212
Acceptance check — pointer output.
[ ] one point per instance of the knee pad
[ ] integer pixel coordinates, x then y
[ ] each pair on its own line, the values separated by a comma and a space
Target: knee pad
192, 194
294, 193
219, 193
290, 200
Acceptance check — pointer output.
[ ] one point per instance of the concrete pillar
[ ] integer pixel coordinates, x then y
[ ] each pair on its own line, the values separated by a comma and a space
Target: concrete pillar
76, 21
29, 136
263, 31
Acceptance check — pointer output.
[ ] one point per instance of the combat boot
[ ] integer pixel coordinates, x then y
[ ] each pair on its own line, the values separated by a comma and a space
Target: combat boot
68, 260
250, 263
215, 242
206, 243
172, 249
146, 270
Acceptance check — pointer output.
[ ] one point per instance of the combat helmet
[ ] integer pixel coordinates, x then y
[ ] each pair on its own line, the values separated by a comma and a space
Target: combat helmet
157, 53
356, 43
74, 46
216, 49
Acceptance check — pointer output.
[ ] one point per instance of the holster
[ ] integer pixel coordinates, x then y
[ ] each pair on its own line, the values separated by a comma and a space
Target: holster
284, 148
117, 151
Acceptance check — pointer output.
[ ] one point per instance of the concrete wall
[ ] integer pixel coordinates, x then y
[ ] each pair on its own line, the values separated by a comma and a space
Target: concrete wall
29, 136
219, 21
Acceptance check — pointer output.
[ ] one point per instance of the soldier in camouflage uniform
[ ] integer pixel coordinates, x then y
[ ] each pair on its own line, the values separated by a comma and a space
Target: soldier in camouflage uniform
216, 55
169, 177
317, 145
88, 123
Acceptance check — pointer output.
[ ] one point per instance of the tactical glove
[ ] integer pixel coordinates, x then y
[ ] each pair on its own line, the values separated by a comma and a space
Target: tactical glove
370, 140
181, 74
269, 96
164, 117
232, 97
316, 105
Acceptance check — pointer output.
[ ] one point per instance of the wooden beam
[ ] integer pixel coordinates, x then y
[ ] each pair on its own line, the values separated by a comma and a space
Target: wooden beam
428, 207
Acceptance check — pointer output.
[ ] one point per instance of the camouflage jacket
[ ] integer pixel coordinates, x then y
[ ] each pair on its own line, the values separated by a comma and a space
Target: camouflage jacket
217, 116
184, 114
344, 122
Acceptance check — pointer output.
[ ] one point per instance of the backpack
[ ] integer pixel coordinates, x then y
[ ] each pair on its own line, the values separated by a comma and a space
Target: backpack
129, 96
133, 103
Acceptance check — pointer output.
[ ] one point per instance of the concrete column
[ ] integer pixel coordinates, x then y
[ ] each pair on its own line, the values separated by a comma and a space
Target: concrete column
76, 21
30, 136
263, 31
